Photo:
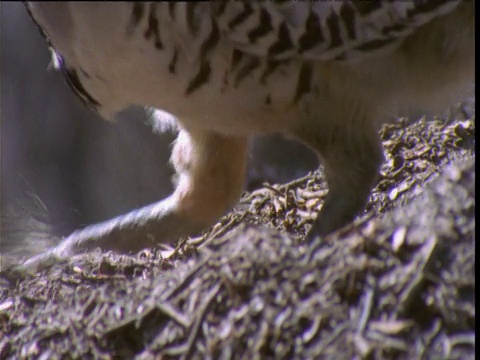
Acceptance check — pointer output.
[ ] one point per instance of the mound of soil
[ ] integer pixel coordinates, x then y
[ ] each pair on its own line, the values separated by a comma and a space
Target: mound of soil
398, 283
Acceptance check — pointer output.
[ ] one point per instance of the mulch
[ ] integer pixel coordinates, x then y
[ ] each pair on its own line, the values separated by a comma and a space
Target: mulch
398, 283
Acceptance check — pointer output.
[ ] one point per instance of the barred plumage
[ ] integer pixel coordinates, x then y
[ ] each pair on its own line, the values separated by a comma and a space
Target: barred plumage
326, 72
324, 30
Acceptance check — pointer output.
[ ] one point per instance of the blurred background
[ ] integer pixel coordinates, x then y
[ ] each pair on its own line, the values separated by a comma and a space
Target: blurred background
63, 167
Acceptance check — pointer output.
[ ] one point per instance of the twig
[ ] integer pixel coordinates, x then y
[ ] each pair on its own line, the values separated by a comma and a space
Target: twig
170, 311
437, 327
198, 321
336, 333
298, 181
367, 306
409, 294
185, 281
228, 226
274, 189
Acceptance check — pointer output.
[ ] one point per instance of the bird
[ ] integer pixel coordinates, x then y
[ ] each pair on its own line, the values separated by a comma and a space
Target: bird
326, 73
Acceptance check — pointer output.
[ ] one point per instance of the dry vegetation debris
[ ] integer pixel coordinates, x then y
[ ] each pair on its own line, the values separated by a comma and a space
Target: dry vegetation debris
397, 284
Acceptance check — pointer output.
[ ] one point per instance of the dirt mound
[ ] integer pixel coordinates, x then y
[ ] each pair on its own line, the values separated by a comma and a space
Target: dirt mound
399, 283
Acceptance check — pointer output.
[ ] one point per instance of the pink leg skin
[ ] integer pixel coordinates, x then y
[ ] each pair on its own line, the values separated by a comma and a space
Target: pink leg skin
211, 175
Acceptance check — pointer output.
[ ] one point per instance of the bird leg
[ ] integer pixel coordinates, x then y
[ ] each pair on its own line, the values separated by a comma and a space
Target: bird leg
352, 159
210, 179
